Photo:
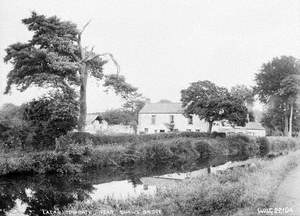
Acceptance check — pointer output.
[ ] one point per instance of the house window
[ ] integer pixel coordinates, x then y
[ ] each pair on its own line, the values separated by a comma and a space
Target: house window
161, 131
197, 130
153, 119
190, 120
146, 130
188, 130
171, 119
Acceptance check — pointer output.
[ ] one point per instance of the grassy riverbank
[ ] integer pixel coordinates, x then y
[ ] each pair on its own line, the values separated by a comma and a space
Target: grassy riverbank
240, 191
77, 155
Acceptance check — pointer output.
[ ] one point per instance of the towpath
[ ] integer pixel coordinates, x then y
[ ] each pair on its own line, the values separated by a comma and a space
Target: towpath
288, 195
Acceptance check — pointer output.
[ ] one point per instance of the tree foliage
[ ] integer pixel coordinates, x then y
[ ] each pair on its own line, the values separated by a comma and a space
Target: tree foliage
278, 82
213, 103
278, 78
246, 94
51, 116
135, 104
12, 126
118, 116
273, 119
38, 122
120, 87
11, 115
48, 59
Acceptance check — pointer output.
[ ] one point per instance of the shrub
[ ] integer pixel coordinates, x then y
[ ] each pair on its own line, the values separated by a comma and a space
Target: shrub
50, 162
64, 142
15, 137
79, 154
51, 116
157, 153
11, 140
217, 134
283, 143
241, 145
204, 148
264, 145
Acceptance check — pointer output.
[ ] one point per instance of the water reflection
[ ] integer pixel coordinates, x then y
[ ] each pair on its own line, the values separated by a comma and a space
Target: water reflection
35, 195
41, 193
121, 190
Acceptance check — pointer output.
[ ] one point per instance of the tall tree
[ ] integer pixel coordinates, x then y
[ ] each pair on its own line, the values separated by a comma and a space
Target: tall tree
278, 80
273, 119
55, 57
213, 103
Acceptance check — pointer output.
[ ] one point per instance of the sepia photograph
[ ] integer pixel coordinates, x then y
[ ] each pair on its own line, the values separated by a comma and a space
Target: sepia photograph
149, 107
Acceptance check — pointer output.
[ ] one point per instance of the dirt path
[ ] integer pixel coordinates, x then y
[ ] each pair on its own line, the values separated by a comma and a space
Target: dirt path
288, 195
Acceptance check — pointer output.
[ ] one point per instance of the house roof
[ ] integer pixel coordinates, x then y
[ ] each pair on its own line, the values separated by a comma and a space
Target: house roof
91, 117
254, 126
162, 108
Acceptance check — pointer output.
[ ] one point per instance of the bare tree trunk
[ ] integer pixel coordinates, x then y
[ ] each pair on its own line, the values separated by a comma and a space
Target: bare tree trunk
82, 99
291, 120
210, 125
286, 121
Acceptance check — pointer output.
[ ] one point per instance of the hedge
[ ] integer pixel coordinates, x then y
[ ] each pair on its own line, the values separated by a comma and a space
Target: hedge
82, 137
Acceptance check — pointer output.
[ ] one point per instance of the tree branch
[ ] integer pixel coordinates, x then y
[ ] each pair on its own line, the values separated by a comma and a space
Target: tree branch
75, 57
111, 57
104, 54
84, 27
79, 39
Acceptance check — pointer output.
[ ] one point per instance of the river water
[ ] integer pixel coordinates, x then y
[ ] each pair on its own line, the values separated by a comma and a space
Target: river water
35, 195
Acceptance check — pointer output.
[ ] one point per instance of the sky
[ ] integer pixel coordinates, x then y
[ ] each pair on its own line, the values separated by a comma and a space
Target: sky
164, 45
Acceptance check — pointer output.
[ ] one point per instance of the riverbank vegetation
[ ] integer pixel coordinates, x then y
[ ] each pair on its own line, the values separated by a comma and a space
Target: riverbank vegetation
76, 153
239, 191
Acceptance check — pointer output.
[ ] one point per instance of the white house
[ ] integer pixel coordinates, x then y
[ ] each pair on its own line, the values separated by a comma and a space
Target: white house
159, 117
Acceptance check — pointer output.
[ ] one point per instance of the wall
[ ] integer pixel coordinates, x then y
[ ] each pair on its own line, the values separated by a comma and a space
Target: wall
181, 123
104, 128
241, 130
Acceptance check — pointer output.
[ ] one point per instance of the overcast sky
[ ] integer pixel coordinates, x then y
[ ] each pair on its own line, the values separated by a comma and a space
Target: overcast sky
161, 45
